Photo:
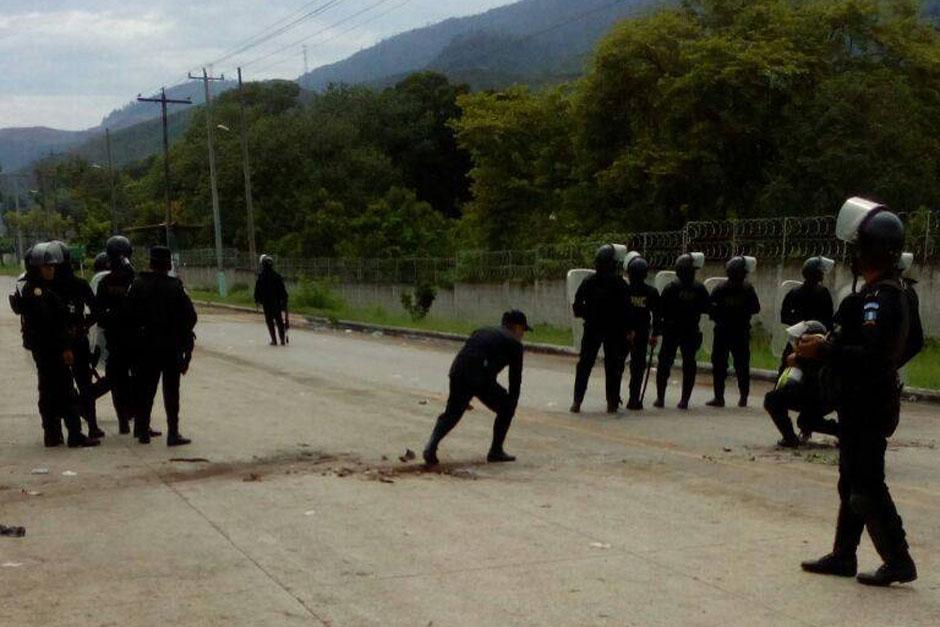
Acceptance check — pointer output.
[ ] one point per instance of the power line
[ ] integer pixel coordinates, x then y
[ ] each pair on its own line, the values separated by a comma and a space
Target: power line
337, 35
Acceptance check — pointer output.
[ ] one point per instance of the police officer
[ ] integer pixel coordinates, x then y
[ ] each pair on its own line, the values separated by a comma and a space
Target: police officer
863, 353
809, 301
161, 317
799, 388
473, 374
111, 295
683, 303
82, 313
646, 325
271, 294
46, 321
732, 304
603, 301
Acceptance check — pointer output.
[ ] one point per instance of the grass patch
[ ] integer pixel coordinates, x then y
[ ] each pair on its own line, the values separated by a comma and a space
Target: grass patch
924, 370
6, 270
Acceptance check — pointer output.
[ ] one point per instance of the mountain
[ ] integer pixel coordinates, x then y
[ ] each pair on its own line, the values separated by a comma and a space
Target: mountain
135, 112
21, 146
531, 39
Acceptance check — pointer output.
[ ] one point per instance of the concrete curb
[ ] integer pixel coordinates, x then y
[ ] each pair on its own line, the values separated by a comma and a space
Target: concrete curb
917, 395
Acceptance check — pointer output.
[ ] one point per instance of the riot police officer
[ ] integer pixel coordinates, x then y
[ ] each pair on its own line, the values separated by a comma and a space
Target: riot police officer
603, 301
111, 295
82, 313
732, 305
161, 318
271, 294
46, 321
473, 374
683, 303
809, 301
646, 325
870, 342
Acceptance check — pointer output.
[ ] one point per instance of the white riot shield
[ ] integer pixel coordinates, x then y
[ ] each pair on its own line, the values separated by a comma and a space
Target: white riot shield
779, 338
844, 292
663, 279
573, 282
712, 282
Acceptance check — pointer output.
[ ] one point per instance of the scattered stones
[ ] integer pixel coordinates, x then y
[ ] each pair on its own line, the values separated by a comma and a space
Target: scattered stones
407, 457
69, 473
423, 402
12, 532
599, 545
252, 476
39, 471
726, 449
26, 492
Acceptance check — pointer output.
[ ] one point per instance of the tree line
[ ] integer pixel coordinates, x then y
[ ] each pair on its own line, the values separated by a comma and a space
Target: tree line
711, 109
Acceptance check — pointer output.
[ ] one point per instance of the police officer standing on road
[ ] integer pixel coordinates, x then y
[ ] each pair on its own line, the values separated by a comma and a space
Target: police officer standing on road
646, 326
683, 303
733, 303
78, 297
603, 301
271, 294
809, 301
111, 295
161, 317
870, 343
473, 374
46, 322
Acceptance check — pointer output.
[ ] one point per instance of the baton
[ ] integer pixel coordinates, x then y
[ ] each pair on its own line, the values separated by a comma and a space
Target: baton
649, 370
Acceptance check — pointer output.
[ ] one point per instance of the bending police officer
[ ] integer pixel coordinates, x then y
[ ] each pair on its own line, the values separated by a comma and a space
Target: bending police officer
863, 354
683, 303
473, 374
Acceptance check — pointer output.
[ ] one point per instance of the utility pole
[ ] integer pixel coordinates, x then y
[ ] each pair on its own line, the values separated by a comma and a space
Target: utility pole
252, 250
19, 221
107, 139
163, 100
216, 215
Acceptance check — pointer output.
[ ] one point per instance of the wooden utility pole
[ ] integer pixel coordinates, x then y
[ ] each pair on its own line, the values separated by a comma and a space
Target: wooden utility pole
114, 222
19, 221
216, 214
252, 250
163, 100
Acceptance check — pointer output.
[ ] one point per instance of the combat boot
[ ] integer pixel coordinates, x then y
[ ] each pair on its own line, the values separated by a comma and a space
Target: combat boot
833, 564
124, 426
430, 457
635, 405
659, 403
742, 402
793, 442
575, 407
901, 570
498, 456
716, 402
79, 440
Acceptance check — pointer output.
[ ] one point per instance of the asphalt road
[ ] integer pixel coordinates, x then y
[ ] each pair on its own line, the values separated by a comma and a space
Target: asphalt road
303, 514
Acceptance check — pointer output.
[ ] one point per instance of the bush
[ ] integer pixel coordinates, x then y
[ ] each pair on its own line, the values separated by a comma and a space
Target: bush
316, 295
418, 305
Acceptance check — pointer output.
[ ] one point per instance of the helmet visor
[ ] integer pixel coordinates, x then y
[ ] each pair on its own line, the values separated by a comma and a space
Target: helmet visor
851, 217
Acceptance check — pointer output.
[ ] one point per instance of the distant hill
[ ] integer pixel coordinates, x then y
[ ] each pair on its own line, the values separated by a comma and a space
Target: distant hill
531, 39
135, 112
21, 146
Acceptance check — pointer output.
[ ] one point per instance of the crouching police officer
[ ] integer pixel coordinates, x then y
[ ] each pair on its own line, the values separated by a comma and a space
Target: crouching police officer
46, 334
732, 305
646, 325
473, 374
161, 318
683, 303
603, 301
870, 343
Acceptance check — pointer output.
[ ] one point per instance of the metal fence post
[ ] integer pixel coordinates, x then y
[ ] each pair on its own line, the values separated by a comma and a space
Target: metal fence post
927, 239
783, 250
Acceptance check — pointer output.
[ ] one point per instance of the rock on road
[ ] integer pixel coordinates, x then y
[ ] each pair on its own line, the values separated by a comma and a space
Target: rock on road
300, 511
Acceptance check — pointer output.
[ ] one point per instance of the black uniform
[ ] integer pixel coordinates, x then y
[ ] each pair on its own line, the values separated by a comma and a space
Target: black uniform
646, 322
870, 342
603, 301
732, 305
807, 398
271, 294
473, 374
682, 306
161, 317
809, 301
112, 292
45, 333
78, 298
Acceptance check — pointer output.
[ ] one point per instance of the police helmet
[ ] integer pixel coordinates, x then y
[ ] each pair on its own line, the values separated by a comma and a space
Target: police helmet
739, 267
808, 327
906, 262
119, 246
687, 264
876, 232
816, 268
46, 253
102, 263
605, 260
266, 261
638, 269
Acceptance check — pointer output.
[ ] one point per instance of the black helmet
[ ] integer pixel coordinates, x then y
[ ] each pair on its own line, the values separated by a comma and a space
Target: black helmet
739, 267
267, 261
119, 246
638, 269
605, 260
102, 263
515, 317
881, 240
687, 264
46, 253
816, 268
65, 251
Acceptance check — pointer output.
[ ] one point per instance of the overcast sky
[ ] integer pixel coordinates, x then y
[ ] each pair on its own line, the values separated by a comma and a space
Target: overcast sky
67, 63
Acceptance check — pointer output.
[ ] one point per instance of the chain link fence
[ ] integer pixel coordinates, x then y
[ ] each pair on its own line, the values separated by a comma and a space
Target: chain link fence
779, 239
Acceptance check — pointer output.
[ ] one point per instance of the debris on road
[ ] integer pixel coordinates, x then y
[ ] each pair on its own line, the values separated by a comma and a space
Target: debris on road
464, 473
26, 492
11, 564
252, 476
310, 512
726, 449
69, 473
600, 545
423, 402
39, 471
190, 460
377, 334
407, 457
12, 532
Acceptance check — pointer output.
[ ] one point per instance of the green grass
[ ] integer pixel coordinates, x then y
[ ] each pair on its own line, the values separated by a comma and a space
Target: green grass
337, 310
924, 370
10, 270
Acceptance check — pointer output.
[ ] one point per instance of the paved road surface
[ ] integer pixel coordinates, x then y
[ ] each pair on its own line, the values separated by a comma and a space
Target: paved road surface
304, 515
